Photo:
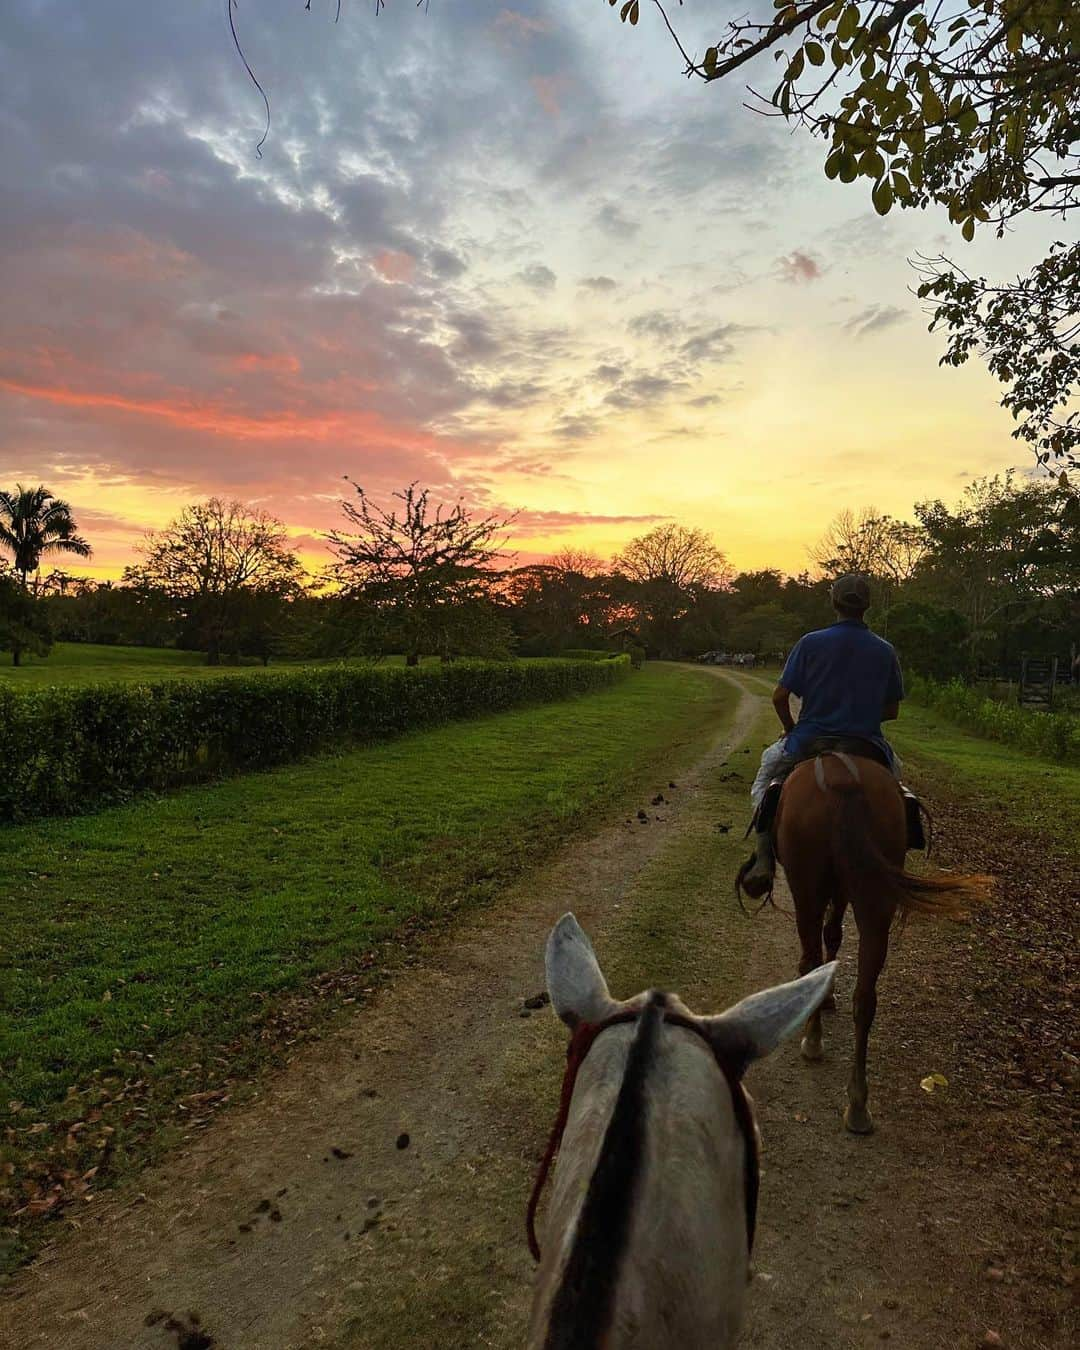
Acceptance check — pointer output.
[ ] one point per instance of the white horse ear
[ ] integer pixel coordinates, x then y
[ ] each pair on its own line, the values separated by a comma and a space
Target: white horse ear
578, 990
759, 1023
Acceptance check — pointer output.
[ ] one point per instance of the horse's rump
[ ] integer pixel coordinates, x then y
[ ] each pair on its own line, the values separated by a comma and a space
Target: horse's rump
848, 813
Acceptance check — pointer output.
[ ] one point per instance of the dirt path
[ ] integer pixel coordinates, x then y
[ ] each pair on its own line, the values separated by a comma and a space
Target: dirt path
373, 1196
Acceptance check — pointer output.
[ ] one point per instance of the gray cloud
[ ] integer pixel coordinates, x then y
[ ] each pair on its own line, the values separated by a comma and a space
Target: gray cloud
875, 319
539, 277
611, 218
642, 391
598, 284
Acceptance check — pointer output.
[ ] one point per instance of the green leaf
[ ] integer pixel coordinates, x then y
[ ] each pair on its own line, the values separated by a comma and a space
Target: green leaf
933, 110
795, 69
968, 230
711, 57
849, 22
882, 197
815, 53
871, 163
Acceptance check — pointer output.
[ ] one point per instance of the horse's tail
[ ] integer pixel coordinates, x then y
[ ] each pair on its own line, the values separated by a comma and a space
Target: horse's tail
859, 859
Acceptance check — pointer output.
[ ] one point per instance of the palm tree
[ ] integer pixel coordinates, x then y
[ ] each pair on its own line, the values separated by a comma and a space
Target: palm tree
34, 522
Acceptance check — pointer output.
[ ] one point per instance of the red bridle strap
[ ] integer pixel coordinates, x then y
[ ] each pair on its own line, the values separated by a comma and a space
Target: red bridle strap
580, 1044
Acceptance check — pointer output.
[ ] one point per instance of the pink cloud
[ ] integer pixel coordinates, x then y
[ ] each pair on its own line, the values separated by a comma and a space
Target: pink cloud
548, 89
510, 24
798, 267
392, 265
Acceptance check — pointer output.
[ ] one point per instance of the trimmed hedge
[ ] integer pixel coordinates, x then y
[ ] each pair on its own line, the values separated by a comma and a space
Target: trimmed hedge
1053, 735
75, 749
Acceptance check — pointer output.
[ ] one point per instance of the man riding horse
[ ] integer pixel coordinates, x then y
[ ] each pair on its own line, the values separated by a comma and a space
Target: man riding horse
849, 682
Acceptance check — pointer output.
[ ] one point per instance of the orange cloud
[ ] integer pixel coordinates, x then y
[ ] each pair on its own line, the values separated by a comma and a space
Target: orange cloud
264, 361
217, 420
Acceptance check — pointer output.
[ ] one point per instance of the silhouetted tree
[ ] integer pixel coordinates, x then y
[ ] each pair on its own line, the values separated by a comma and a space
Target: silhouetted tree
214, 560
34, 523
423, 564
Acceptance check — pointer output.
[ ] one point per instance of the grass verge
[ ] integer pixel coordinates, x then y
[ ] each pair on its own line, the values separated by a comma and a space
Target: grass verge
155, 954
1040, 795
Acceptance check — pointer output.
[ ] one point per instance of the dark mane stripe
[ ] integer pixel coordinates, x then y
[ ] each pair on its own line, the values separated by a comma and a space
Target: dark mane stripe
582, 1308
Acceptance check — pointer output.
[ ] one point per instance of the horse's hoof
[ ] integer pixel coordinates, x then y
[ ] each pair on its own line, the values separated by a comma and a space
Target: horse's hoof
828, 1003
858, 1120
812, 1050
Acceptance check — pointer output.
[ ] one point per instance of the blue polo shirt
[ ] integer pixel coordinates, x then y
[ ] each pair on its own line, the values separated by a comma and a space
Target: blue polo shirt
845, 676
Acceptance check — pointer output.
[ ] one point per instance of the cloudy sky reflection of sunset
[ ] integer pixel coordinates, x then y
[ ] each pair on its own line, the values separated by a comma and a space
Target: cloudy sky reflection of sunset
479, 252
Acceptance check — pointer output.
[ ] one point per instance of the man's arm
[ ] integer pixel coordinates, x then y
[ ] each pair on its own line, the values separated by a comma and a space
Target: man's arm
781, 701
890, 712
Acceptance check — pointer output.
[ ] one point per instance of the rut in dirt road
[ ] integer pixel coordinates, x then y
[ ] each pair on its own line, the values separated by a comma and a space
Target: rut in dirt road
373, 1198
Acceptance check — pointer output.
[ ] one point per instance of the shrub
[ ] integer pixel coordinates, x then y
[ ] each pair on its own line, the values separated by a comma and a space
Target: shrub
1054, 735
79, 748
587, 654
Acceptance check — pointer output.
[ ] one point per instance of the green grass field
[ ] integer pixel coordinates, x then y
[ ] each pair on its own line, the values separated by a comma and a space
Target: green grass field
87, 663
153, 943
1041, 795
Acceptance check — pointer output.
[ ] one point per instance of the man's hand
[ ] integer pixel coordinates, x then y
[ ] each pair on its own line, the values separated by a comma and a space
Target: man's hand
781, 701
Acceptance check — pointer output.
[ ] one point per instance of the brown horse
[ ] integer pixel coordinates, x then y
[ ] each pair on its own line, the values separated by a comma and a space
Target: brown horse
841, 836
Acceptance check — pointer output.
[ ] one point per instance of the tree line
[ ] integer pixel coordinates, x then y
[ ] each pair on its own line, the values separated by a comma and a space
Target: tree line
956, 587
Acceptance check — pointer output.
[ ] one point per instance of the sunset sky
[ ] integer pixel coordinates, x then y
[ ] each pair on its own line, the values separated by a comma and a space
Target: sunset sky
507, 250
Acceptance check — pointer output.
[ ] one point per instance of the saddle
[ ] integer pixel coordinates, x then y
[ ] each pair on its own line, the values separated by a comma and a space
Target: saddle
845, 745
765, 816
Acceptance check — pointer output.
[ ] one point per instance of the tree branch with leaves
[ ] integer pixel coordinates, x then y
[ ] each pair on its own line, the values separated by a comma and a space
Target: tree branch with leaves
972, 105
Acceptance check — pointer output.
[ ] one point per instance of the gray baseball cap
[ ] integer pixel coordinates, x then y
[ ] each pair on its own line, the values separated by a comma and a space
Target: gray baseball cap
852, 589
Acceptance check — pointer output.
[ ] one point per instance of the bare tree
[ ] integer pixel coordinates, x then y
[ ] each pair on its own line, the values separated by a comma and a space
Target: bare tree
867, 541
576, 562
425, 562
676, 554
213, 558
671, 570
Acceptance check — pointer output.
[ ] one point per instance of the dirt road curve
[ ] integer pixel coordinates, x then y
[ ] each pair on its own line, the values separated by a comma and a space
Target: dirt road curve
372, 1197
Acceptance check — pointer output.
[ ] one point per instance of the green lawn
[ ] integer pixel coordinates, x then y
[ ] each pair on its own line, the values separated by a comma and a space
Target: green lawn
1041, 795
86, 662
153, 943
89, 663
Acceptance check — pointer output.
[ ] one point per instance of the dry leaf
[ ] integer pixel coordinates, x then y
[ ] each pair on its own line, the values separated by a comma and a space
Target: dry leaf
932, 1081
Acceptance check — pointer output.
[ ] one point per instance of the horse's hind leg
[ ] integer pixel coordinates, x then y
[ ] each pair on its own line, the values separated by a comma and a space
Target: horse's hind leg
834, 935
873, 949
